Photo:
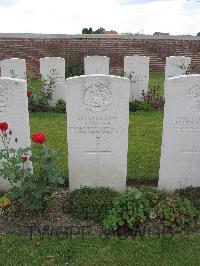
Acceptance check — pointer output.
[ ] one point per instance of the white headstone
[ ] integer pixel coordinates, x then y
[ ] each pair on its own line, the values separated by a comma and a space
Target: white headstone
14, 111
53, 68
13, 68
96, 65
136, 68
176, 65
180, 152
97, 117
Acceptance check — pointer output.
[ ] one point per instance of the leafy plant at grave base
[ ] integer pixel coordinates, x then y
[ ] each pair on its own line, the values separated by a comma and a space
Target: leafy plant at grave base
138, 106
153, 98
177, 213
40, 94
72, 69
92, 203
60, 106
35, 187
131, 209
192, 194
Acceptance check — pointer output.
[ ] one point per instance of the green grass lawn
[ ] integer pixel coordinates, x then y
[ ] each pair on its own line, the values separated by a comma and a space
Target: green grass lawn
145, 130
165, 251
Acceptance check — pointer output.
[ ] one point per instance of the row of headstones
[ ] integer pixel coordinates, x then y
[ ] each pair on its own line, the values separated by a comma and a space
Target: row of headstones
136, 68
97, 127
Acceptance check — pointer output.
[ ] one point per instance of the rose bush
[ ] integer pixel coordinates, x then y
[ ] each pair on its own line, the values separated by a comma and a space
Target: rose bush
37, 185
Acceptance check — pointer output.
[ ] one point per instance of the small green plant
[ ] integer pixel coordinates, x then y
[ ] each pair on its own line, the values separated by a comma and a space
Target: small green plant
92, 203
177, 213
60, 106
132, 208
153, 99
138, 106
31, 188
192, 194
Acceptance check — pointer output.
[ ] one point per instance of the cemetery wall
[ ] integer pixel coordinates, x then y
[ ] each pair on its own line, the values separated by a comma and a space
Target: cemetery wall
73, 48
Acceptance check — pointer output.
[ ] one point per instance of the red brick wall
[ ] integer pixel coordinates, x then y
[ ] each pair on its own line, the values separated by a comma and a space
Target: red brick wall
74, 47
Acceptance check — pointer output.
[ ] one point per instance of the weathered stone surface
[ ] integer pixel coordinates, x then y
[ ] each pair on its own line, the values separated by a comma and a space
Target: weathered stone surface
97, 117
14, 111
176, 66
136, 68
180, 152
96, 65
53, 69
13, 68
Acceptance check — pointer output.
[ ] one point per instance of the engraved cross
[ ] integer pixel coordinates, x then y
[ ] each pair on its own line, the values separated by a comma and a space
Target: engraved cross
98, 151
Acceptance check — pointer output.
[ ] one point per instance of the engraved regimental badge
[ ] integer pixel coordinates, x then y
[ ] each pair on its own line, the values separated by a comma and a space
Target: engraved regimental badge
193, 99
97, 98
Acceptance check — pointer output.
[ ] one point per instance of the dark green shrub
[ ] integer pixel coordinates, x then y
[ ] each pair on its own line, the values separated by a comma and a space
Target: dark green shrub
138, 106
132, 208
60, 106
192, 194
92, 203
72, 69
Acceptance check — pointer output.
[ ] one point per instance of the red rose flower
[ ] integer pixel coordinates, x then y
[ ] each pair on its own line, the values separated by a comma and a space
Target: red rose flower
39, 138
29, 93
3, 126
24, 158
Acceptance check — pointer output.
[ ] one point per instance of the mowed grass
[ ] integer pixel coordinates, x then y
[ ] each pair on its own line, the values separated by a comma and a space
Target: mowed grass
76, 250
145, 130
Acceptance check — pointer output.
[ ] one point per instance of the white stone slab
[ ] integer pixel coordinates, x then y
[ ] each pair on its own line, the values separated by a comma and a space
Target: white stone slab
96, 65
14, 111
54, 68
176, 65
98, 117
13, 68
180, 152
136, 68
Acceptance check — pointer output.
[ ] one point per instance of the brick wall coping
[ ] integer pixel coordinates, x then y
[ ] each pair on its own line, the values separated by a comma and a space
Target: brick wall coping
97, 36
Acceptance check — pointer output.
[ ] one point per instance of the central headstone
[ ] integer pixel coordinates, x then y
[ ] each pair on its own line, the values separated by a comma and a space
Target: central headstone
180, 153
14, 111
13, 68
53, 69
136, 68
177, 65
97, 117
96, 65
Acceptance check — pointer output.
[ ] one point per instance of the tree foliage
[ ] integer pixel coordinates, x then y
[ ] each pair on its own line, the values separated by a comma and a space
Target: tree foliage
90, 31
